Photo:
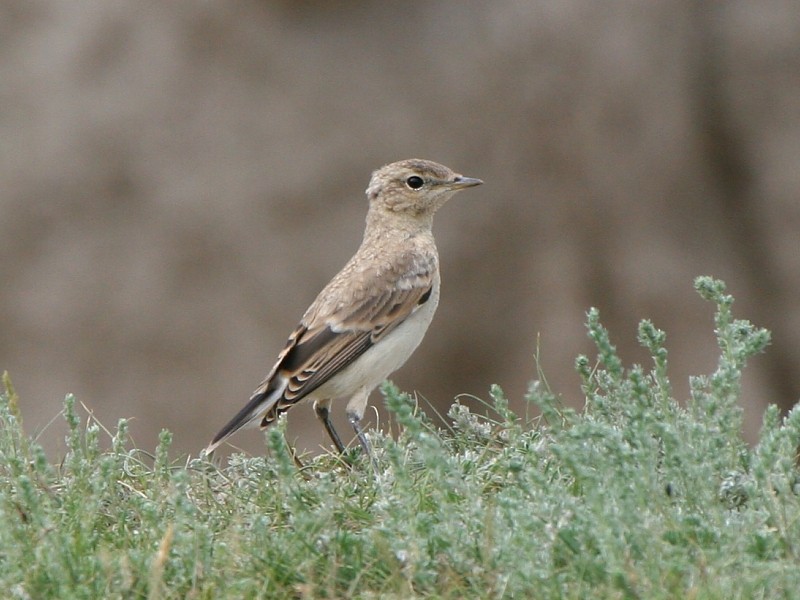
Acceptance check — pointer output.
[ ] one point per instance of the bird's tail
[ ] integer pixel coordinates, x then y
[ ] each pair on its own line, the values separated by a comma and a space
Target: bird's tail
262, 400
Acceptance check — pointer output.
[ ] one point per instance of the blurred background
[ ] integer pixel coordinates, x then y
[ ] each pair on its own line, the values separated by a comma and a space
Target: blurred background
179, 179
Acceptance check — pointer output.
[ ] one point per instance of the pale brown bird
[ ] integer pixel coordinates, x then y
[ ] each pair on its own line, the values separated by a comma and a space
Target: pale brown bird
372, 315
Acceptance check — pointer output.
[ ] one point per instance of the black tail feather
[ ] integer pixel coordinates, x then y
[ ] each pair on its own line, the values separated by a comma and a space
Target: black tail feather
258, 404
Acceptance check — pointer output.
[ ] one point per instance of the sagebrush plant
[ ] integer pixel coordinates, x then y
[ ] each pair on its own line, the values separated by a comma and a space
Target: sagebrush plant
635, 496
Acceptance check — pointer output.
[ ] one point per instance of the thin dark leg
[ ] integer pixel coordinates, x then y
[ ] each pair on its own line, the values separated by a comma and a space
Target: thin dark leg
323, 414
356, 423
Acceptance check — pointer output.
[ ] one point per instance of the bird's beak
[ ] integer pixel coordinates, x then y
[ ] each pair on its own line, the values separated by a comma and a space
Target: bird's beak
464, 182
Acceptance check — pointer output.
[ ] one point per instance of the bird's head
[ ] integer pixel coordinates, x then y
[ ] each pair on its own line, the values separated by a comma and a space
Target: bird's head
414, 187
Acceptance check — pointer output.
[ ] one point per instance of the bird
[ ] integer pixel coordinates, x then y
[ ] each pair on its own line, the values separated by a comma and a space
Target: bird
368, 320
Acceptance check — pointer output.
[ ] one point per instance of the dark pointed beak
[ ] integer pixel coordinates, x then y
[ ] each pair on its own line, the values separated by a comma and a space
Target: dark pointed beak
464, 182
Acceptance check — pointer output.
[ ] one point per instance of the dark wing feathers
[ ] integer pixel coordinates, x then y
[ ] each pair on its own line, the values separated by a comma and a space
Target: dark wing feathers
330, 338
318, 356
342, 352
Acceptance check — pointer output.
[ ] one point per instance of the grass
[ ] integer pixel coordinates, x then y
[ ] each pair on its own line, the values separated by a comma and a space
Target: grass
636, 496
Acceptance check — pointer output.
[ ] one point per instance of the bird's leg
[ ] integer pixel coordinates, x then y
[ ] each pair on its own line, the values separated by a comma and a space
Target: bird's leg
356, 408
355, 421
322, 409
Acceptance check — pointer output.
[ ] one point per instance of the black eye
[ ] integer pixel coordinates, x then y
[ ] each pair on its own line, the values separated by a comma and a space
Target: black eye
414, 182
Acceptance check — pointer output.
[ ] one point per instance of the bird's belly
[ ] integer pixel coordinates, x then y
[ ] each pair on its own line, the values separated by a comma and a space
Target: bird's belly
382, 359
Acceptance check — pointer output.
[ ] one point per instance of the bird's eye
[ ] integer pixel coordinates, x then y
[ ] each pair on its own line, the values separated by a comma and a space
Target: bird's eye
414, 182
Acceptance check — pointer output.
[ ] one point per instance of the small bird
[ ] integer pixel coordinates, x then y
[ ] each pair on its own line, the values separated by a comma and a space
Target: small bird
372, 315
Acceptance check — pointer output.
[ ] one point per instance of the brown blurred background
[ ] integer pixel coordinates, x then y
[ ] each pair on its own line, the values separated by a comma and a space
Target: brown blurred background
179, 179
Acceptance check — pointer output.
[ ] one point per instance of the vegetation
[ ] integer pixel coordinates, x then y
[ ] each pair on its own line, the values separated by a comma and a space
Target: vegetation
636, 496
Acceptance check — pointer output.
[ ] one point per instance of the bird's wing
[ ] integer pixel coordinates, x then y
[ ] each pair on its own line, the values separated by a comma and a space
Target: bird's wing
338, 328
334, 332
